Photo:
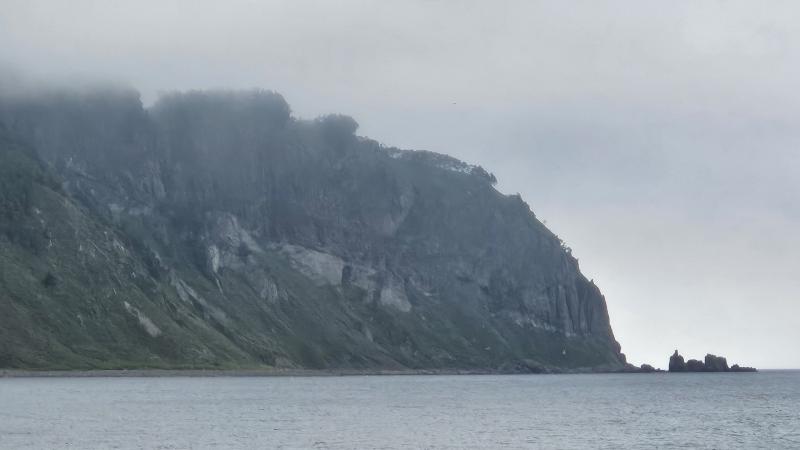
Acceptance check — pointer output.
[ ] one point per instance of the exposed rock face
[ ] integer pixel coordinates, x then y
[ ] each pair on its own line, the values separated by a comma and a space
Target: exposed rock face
647, 368
715, 363
239, 235
694, 365
676, 363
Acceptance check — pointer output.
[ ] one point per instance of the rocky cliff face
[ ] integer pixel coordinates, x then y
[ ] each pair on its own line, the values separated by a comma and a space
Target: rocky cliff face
215, 229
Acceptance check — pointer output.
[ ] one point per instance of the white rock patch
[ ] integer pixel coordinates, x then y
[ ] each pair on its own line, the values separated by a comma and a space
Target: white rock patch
144, 321
269, 291
322, 268
227, 240
393, 295
325, 268
189, 295
213, 258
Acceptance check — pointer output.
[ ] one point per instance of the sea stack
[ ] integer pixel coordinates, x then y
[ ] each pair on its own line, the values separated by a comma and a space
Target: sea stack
676, 363
711, 363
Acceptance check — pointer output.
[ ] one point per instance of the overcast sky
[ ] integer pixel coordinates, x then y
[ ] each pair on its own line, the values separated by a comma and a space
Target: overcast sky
658, 139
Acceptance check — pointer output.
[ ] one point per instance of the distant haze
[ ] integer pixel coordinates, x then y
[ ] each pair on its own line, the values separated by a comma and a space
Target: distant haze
659, 140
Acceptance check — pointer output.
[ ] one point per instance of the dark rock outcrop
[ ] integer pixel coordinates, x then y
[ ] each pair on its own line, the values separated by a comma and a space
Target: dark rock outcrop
647, 368
715, 363
695, 365
711, 363
676, 363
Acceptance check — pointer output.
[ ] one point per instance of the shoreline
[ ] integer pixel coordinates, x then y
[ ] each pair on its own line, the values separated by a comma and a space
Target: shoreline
267, 373
200, 373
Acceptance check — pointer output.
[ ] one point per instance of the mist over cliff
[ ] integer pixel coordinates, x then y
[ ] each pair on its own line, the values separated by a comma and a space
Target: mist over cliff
214, 229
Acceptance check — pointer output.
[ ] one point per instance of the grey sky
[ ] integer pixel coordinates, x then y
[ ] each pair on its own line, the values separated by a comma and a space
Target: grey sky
658, 139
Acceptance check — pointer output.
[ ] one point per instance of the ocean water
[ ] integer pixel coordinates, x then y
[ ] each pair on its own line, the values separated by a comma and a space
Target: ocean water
760, 410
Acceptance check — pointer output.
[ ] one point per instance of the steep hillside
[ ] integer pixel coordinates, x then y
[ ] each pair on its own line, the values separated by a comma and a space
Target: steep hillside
216, 230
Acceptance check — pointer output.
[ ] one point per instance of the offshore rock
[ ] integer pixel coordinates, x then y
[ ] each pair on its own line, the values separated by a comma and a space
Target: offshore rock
695, 365
715, 363
711, 363
676, 363
647, 368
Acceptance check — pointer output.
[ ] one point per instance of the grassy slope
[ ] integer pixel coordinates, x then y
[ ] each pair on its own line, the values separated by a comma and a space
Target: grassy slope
65, 277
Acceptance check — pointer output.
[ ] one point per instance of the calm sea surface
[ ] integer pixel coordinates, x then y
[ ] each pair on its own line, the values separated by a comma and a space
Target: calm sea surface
759, 410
